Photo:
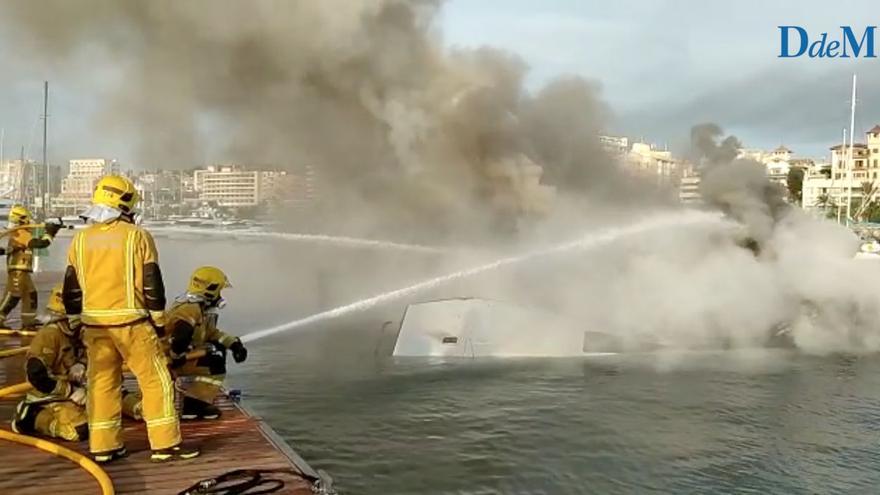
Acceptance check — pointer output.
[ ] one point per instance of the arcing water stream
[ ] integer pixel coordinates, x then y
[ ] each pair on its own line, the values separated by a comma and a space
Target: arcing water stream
339, 240
607, 236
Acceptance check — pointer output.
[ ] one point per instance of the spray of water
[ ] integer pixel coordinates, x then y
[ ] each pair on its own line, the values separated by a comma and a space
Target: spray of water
666, 221
316, 238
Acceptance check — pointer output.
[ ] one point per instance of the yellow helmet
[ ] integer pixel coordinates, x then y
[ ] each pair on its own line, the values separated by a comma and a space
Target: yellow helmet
56, 303
208, 281
19, 215
116, 192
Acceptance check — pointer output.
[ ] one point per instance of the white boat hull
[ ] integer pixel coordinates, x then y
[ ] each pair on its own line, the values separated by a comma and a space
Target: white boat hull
867, 256
482, 328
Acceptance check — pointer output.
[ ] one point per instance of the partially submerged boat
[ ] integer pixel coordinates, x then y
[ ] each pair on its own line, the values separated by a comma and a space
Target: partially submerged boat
478, 328
472, 327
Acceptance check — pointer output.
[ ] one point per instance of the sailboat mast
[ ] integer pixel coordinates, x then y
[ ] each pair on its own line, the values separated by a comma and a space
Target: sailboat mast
22, 180
45, 195
839, 161
852, 132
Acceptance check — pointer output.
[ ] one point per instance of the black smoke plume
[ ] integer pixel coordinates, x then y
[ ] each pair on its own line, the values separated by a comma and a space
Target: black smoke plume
738, 187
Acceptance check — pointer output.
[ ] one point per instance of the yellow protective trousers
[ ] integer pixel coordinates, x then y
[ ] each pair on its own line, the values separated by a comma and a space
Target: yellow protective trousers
201, 379
20, 287
137, 346
61, 420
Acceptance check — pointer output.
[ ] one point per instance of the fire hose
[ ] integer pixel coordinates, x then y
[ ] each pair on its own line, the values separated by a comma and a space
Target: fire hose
17, 333
241, 482
30, 226
12, 352
104, 481
82, 461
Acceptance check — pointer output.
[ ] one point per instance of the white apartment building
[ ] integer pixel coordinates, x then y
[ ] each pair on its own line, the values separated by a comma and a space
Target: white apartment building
10, 178
79, 184
517, 188
818, 192
827, 186
689, 189
614, 145
777, 162
233, 186
645, 160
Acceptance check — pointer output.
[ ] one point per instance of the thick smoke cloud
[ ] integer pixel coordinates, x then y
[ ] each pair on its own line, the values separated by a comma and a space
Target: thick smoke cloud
705, 287
404, 133
738, 187
363, 90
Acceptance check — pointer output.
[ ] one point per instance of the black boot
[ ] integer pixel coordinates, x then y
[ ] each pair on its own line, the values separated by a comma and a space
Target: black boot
196, 409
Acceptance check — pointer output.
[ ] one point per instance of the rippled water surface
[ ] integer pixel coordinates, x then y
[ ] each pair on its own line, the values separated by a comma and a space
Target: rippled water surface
716, 423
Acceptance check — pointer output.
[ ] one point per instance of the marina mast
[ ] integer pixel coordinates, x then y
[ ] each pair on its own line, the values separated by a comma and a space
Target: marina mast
45, 189
850, 156
842, 151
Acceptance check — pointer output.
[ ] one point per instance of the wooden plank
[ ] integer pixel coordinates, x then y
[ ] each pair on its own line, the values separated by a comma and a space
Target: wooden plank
232, 442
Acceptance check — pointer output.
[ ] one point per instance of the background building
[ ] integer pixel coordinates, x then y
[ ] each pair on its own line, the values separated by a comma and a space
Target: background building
228, 186
614, 145
79, 184
11, 177
828, 186
645, 160
162, 192
689, 187
778, 162
234, 186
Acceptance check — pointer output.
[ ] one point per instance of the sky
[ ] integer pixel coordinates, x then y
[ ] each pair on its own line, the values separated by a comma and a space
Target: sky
662, 65
665, 65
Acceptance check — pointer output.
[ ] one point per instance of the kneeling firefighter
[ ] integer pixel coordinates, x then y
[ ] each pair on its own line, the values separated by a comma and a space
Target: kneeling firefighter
56, 369
20, 264
192, 324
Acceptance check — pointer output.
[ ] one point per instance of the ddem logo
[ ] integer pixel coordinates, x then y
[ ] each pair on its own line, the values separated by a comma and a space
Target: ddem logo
795, 42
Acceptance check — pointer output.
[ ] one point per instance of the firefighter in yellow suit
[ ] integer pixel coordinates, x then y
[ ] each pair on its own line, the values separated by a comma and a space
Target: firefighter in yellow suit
55, 368
20, 264
114, 283
192, 326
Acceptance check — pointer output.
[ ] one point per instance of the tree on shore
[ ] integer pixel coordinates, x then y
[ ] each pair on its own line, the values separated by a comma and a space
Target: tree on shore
795, 184
828, 205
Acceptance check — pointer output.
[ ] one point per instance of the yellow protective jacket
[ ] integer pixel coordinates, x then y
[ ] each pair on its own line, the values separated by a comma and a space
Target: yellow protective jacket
51, 355
113, 276
20, 249
189, 327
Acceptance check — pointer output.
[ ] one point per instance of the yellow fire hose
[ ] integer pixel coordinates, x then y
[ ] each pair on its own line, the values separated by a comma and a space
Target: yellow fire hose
30, 226
12, 352
104, 481
6, 232
17, 333
14, 389
84, 462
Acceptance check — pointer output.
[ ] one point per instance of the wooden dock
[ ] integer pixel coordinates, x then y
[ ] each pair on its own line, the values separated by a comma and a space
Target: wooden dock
238, 440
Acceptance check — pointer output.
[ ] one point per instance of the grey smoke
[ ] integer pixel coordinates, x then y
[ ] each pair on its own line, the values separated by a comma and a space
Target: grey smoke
405, 134
361, 89
738, 187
